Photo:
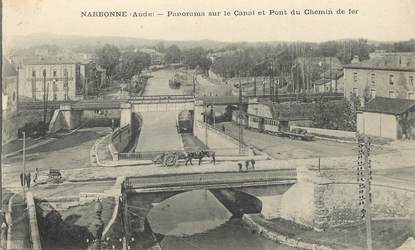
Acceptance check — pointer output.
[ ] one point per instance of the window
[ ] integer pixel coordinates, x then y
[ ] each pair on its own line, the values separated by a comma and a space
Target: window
33, 73
373, 78
391, 94
355, 92
355, 76
411, 96
411, 80
391, 79
54, 73
55, 97
372, 93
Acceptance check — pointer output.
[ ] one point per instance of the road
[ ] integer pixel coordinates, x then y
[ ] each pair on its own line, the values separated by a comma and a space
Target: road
284, 148
66, 152
159, 132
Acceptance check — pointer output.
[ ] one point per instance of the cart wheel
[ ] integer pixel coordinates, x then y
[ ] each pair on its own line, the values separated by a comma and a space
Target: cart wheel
170, 160
158, 159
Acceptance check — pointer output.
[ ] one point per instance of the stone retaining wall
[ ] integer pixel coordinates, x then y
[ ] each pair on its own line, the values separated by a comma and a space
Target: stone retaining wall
320, 202
275, 236
34, 229
221, 143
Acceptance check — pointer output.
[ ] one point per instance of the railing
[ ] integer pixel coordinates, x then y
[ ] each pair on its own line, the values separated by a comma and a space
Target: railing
161, 99
149, 155
207, 178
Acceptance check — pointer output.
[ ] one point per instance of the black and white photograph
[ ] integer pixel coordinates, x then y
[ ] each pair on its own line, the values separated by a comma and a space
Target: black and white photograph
207, 125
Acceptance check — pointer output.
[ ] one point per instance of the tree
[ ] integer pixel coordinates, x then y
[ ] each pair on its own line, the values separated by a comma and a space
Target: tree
173, 54
108, 57
132, 63
204, 64
160, 46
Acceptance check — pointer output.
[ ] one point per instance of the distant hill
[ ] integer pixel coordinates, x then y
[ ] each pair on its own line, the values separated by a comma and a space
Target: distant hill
70, 41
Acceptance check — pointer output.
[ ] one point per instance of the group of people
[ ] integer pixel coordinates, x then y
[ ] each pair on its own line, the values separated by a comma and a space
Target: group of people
26, 178
249, 164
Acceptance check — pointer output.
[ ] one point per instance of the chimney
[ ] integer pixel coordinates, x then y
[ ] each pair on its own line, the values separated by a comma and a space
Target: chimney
355, 59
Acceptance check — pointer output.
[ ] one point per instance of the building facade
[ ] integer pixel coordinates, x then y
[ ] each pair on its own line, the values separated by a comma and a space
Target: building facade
56, 80
157, 58
10, 101
388, 117
391, 75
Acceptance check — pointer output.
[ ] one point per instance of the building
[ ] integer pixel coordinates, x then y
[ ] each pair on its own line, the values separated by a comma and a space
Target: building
388, 117
10, 100
56, 78
330, 81
391, 75
157, 58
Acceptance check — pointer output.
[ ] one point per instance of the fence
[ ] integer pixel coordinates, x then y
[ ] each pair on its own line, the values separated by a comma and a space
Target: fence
149, 155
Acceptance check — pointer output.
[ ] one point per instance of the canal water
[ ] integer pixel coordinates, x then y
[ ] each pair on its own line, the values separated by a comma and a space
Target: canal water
198, 220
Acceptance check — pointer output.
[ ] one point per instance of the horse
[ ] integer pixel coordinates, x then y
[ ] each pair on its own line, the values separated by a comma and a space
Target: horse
195, 155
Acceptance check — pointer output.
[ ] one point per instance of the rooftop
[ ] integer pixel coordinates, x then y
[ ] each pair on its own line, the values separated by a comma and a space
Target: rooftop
388, 61
291, 111
44, 60
387, 105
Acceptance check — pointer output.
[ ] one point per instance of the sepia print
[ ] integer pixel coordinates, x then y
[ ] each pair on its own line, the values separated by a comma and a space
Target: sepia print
187, 125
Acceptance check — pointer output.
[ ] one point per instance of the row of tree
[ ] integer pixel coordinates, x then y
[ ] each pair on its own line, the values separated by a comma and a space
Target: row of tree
256, 59
336, 115
121, 65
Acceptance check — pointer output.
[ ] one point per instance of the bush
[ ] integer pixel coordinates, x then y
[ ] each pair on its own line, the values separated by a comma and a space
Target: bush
33, 130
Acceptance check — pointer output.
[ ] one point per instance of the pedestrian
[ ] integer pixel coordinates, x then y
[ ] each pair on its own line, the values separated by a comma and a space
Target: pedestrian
36, 175
253, 163
27, 177
213, 157
223, 128
189, 157
21, 179
240, 166
247, 165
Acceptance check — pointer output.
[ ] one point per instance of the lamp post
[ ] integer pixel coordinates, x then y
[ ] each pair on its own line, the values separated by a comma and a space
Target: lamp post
99, 224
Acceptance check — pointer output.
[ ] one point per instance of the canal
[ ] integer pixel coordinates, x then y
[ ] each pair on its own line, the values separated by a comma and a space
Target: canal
199, 219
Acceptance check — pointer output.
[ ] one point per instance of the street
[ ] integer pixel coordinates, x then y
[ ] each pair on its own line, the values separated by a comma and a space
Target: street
285, 148
67, 152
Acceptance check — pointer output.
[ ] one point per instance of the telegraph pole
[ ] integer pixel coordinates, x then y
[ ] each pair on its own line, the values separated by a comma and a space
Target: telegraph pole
194, 85
206, 126
23, 165
44, 97
364, 177
241, 129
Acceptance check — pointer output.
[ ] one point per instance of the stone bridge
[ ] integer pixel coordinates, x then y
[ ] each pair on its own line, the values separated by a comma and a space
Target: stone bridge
239, 192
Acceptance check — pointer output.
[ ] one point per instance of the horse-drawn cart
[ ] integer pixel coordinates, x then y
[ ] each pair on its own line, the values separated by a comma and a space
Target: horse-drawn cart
169, 159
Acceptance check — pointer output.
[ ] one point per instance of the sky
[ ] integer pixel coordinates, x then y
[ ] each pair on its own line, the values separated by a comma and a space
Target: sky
384, 20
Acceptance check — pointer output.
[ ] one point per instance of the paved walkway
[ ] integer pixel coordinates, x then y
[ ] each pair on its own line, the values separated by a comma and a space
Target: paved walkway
384, 161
